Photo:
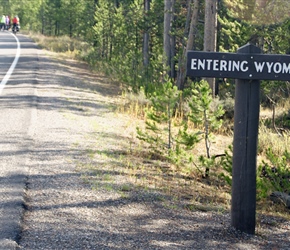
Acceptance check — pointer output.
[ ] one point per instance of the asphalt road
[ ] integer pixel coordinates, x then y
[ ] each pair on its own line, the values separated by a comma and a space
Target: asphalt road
17, 113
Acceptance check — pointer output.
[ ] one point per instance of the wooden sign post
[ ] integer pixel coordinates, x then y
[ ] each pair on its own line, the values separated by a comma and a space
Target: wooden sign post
248, 66
246, 126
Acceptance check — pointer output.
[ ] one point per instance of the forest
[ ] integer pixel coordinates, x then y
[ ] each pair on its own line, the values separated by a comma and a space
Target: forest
151, 37
143, 45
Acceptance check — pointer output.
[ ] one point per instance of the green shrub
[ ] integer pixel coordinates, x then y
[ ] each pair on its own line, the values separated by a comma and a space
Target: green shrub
273, 174
159, 120
227, 166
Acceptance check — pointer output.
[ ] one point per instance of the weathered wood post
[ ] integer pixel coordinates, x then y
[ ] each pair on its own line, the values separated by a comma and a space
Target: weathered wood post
250, 66
246, 124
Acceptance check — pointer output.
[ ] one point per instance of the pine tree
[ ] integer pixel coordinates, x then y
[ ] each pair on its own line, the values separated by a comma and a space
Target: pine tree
159, 119
206, 116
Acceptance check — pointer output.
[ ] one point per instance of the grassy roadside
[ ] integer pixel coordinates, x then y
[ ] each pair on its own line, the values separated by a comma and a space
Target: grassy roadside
187, 189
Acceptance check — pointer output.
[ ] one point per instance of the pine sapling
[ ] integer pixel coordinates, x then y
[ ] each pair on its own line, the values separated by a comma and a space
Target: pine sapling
202, 114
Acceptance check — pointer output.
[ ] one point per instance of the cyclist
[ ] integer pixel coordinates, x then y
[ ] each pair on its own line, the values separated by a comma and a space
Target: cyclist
15, 23
2, 22
7, 20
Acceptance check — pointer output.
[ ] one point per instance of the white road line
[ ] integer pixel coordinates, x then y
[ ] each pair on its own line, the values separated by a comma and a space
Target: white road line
12, 67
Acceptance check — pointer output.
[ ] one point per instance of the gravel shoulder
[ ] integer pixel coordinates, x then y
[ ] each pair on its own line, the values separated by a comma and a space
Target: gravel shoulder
78, 198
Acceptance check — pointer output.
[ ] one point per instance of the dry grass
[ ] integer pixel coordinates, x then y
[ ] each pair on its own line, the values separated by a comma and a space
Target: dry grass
187, 183
268, 138
73, 48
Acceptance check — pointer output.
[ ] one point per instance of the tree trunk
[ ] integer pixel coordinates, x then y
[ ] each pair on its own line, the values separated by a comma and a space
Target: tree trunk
172, 42
192, 7
166, 35
42, 19
146, 36
210, 34
188, 17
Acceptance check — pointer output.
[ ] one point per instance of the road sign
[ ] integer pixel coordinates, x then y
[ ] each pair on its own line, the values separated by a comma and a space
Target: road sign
248, 66
238, 66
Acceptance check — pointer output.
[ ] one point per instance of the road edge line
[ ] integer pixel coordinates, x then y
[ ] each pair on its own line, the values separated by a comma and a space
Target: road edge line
12, 67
